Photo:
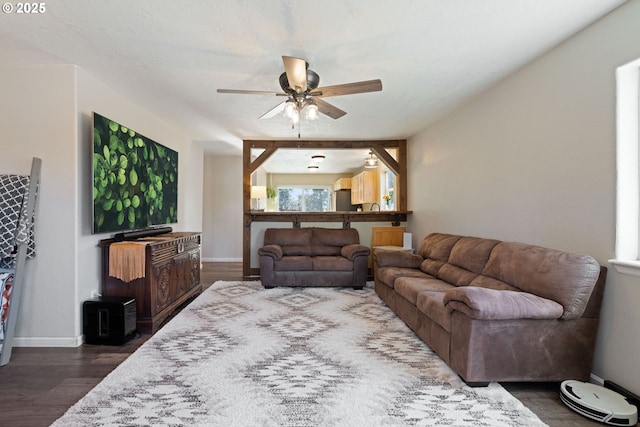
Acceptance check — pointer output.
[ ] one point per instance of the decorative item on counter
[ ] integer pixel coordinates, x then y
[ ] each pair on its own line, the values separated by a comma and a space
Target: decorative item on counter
271, 193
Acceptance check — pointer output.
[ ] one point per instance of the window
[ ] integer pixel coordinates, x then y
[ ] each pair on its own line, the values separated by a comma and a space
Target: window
627, 165
304, 198
388, 190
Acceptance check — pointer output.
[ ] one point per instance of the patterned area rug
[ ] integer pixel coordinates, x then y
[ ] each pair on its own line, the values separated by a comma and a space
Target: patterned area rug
241, 355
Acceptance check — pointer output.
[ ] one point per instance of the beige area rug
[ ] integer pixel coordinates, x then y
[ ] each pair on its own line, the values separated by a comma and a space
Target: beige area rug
241, 355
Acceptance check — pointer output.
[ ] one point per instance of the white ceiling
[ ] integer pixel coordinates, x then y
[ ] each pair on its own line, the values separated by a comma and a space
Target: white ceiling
170, 56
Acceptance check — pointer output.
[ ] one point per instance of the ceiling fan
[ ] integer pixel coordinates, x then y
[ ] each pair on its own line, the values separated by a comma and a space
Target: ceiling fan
300, 86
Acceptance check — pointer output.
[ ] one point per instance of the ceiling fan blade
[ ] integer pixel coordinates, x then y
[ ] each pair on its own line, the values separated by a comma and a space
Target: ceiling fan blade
274, 111
327, 109
296, 70
348, 88
251, 92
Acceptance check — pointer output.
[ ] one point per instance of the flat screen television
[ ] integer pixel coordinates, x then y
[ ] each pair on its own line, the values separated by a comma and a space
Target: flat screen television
135, 179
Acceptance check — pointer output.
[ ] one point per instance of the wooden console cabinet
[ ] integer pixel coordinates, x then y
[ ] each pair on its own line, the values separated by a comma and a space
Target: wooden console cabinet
172, 276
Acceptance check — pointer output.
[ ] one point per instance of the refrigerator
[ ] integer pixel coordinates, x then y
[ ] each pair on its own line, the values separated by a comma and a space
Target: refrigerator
343, 201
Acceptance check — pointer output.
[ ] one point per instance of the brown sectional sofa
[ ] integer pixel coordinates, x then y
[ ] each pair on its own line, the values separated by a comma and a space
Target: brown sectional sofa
497, 311
313, 257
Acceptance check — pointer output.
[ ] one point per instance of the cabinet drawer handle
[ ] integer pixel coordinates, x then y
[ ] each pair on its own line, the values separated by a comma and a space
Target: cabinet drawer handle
180, 248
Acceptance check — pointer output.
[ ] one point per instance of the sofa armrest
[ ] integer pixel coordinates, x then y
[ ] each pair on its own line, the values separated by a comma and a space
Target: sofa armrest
354, 250
274, 251
491, 304
386, 258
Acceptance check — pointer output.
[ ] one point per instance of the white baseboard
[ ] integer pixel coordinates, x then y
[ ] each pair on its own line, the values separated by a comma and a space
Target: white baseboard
48, 341
596, 379
221, 259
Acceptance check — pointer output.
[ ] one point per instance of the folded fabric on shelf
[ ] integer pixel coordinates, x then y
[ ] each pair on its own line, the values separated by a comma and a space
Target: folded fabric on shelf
127, 260
16, 226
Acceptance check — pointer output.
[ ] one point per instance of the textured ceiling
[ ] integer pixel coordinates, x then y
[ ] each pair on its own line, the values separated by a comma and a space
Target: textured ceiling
170, 56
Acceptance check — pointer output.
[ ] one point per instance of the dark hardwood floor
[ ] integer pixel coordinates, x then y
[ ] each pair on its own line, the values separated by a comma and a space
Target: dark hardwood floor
40, 384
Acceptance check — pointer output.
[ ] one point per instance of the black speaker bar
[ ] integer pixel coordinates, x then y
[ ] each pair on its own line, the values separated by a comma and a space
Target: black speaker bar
132, 235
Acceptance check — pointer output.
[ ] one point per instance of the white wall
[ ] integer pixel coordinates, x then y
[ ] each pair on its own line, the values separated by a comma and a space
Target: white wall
37, 112
222, 204
533, 160
46, 112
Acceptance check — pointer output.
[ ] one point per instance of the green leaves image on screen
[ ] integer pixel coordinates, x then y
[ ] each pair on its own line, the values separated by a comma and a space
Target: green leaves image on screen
135, 179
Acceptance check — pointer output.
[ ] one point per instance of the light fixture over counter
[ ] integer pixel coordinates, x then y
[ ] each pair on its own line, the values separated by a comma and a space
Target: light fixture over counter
371, 161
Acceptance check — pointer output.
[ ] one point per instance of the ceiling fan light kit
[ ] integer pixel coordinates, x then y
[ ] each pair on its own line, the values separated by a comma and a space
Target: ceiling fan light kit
300, 86
311, 110
291, 111
293, 108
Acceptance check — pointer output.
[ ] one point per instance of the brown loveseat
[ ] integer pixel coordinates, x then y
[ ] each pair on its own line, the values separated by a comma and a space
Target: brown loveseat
497, 311
313, 257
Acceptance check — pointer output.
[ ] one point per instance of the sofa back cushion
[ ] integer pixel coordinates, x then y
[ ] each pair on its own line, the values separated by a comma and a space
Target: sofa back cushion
455, 259
294, 241
564, 277
329, 241
472, 253
467, 260
435, 249
437, 246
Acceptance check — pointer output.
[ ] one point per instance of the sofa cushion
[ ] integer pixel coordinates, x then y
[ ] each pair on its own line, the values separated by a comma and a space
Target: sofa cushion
325, 250
385, 258
331, 263
334, 236
455, 275
296, 250
490, 304
471, 253
287, 236
294, 263
437, 246
431, 266
566, 278
329, 241
467, 259
410, 287
431, 304
388, 275
293, 241
491, 283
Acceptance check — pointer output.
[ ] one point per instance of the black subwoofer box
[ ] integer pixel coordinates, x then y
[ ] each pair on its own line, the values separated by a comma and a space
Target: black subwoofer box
109, 320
